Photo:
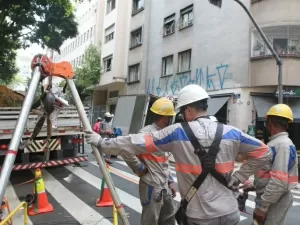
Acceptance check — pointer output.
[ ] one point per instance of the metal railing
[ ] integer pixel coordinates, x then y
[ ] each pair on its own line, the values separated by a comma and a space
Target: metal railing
12, 213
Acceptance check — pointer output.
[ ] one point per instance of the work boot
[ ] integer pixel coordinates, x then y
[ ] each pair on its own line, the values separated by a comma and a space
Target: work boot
108, 161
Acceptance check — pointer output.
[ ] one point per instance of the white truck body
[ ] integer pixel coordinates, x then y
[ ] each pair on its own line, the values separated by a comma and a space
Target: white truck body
66, 146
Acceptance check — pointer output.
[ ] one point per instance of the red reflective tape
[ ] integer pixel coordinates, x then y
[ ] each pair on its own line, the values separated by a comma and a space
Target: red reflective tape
62, 131
119, 206
11, 152
7, 131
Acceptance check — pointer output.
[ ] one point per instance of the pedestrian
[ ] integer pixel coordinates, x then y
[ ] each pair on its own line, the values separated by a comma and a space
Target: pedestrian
156, 181
214, 203
97, 125
107, 131
273, 183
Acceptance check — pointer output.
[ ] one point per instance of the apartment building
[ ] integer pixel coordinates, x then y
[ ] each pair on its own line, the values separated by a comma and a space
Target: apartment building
114, 52
176, 43
88, 16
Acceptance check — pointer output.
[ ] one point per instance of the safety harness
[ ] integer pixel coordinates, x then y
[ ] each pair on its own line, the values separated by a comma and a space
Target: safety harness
207, 160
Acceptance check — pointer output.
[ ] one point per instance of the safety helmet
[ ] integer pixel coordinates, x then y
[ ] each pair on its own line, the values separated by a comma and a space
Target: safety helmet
163, 107
281, 110
213, 118
99, 119
189, 94
107, 114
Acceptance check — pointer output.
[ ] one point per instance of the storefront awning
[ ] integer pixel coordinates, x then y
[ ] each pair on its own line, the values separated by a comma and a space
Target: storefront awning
215, 104
262, 105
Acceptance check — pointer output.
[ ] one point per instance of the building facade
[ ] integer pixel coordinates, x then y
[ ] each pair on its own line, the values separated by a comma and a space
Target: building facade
176, 43
114, 52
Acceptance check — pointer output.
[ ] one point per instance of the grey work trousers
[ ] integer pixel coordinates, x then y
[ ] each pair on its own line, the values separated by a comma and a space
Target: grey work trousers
157, 205
230, 219
277, 211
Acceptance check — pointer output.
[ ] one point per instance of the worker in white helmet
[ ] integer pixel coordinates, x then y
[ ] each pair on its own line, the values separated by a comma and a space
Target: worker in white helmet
107, 131
204, 152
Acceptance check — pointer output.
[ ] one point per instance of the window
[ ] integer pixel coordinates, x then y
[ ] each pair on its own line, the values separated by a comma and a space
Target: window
167, 65
110, 5
113, 94
91, 31
133, 73
136, 38
137, 5
280, 45
186, 17
109, 33
84, 37
184, 61
107, 62
169, 25
87, 34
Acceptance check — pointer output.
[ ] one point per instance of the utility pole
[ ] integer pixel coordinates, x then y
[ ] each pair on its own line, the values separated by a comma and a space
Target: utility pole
279, 63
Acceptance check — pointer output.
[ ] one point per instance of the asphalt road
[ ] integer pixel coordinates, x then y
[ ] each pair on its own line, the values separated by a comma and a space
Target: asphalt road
73, 192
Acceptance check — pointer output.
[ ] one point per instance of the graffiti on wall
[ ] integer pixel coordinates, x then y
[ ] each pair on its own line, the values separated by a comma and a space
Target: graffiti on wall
210, 78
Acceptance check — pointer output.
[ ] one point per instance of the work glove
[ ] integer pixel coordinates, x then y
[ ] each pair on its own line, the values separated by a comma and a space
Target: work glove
234, 183
247, 186
259, 216
93, 138
171, 187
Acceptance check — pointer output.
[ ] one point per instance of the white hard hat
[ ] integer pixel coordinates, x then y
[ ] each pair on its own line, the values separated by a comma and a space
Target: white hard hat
189, 94
213, 118
107, 114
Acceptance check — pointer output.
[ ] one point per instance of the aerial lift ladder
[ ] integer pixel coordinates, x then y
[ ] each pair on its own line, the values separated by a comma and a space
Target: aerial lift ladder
43, 68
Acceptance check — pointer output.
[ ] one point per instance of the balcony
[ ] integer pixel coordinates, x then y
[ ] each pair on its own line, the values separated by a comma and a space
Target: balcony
286, 42
275, 12
284, 39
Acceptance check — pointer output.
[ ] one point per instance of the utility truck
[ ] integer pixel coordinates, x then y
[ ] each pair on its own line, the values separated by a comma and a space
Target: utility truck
66, 144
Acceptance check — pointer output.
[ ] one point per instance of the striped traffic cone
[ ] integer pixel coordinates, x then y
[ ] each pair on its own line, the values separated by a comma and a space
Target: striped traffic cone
41, 204
105, 198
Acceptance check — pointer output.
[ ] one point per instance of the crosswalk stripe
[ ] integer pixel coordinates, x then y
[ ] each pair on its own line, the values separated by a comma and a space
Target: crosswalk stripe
13, 202
125, 198
83, 213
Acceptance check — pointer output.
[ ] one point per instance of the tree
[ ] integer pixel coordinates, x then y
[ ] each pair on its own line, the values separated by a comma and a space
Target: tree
89, 73
45, 22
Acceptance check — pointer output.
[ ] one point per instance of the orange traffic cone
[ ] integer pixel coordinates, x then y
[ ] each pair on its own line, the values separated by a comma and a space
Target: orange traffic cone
41, 204
105, 198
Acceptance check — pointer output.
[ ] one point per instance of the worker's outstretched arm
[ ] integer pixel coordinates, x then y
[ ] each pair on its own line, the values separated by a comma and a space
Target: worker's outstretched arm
162, 140
258, 153
285, 157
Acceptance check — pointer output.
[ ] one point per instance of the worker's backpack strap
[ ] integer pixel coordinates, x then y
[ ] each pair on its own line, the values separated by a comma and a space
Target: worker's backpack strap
208, 166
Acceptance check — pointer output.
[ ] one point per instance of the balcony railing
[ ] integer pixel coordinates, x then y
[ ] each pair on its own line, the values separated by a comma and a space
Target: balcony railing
287, 51
284, 39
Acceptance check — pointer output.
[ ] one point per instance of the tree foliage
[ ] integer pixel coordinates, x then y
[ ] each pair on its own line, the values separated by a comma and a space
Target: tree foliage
22, 22
88, 73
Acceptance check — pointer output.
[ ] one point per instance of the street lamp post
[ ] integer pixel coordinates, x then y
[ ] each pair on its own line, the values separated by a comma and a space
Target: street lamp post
218, 3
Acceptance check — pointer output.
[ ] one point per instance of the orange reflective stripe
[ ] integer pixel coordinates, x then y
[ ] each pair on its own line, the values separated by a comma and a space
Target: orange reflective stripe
185, 168
224, 167
293, 179
258, 152
263, 174
159, 159
279, 175
149, 144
